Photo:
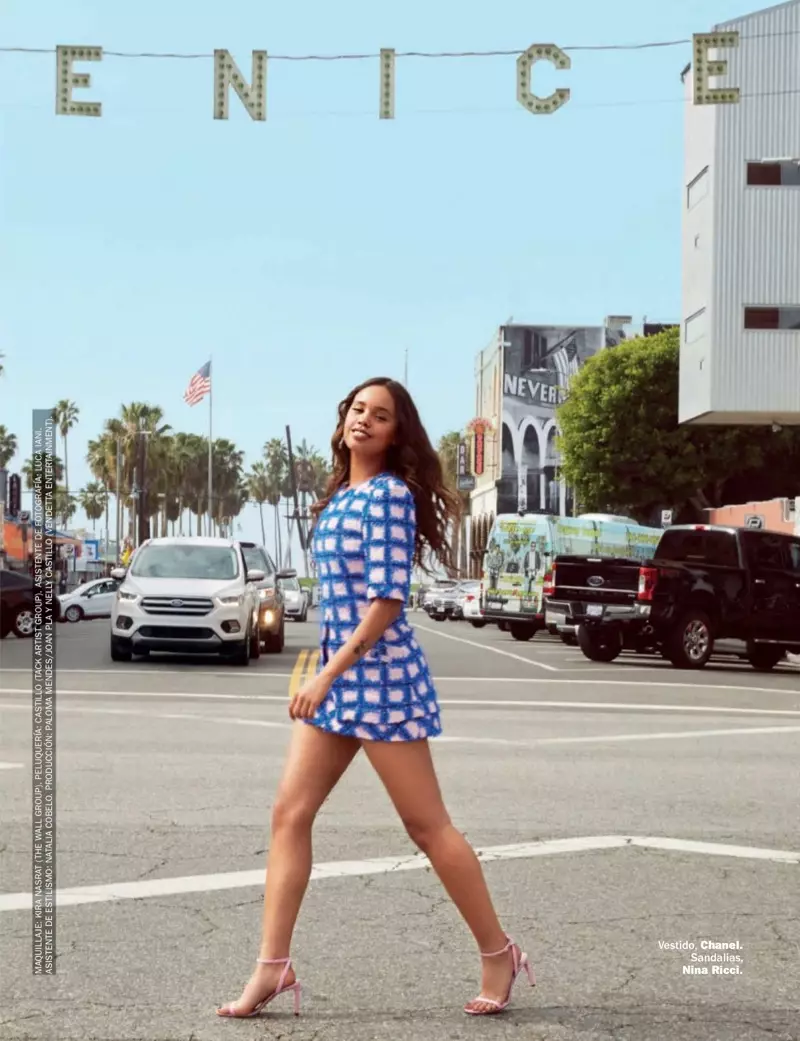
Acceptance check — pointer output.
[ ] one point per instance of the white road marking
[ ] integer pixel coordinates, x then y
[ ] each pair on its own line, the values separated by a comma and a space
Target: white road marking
191, 671
487, 647
116, 891
624, 706
446, 739
11, 766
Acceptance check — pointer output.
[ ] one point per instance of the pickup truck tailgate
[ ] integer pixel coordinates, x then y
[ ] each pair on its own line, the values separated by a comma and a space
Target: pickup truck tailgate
602, 580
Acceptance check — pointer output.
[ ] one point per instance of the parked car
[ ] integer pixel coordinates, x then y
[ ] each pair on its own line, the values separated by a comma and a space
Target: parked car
271, 603
16, 604
440, 601
295, 599
194, 595
89, 600
469, 603
704, 583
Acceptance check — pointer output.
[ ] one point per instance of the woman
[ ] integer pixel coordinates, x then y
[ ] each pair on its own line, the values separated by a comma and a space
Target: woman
387, 506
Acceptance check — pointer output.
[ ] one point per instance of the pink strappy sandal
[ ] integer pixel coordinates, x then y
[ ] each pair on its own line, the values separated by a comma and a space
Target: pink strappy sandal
230, 1011
519, 962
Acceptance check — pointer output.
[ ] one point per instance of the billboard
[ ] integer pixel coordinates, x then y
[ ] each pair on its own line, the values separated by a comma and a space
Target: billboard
538, 363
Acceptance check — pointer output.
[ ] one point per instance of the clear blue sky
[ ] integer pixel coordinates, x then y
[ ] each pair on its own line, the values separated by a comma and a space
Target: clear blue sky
310, 251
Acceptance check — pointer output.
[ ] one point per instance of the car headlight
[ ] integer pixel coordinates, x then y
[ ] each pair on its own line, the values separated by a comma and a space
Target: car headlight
122, 595
227, 601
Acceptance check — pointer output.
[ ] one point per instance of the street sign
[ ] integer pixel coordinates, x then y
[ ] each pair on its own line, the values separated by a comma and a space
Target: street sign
754, 520
466, 483
666, 518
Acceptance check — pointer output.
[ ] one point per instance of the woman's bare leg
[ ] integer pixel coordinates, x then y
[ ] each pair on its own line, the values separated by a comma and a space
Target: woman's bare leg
315, 763
408, 774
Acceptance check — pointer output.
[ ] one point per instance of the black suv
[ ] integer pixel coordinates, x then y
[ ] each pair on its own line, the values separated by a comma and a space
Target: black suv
16, 604
271, 608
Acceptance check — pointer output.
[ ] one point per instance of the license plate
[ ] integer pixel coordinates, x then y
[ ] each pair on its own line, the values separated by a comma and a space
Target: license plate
594, 611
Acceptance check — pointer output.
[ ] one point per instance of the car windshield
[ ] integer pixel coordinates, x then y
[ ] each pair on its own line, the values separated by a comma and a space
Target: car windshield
257, 560
290, 584
209, 562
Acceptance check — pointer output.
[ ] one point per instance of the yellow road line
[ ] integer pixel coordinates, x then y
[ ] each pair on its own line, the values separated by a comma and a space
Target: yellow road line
297, 673
304, 668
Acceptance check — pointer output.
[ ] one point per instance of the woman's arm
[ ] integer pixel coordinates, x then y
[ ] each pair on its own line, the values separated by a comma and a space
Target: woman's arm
380, 615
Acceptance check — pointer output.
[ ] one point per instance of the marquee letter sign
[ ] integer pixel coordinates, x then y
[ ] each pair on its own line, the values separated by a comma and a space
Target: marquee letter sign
704, 69
252, 95
387, 84
67, 80
525, 96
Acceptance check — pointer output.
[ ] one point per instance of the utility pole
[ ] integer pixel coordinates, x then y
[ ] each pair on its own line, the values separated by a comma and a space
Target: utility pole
144, 514
118, 480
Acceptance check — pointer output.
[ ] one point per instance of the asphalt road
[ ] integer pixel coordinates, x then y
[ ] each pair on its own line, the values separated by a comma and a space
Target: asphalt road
619, 808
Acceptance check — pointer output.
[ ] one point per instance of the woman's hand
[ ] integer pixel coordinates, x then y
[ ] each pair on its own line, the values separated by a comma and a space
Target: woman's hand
308, 699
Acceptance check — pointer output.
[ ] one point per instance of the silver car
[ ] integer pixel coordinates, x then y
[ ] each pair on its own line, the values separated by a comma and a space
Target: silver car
295, 602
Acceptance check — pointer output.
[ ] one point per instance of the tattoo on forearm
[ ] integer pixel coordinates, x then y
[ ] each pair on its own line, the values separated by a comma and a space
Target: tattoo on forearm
361, 648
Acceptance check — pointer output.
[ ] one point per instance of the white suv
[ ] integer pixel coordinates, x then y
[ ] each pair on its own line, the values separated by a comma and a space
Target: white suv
192, 595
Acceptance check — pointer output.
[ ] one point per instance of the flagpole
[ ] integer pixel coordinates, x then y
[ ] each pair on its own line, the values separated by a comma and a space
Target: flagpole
210, 454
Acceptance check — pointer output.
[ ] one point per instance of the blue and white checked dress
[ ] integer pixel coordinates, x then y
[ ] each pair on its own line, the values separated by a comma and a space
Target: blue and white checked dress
363, 550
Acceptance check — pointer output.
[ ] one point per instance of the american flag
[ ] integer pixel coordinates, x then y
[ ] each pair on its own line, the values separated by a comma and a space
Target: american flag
199, 385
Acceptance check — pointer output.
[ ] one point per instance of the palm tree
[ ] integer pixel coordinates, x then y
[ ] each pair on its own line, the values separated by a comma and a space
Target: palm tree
93, 500
136, 420
227, 462
35, 465
64, 504
276, 457
65, 416
258, 491
8, 444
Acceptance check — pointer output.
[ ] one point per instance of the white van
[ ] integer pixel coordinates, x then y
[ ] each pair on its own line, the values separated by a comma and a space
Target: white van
521, 550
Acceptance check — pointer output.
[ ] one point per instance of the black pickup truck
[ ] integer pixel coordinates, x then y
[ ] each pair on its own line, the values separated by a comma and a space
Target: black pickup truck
704, 583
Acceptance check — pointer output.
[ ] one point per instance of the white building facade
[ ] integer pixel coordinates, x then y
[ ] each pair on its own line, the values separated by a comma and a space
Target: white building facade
740, 334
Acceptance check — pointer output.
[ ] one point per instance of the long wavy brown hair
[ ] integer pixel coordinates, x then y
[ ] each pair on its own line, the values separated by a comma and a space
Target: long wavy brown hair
414, 460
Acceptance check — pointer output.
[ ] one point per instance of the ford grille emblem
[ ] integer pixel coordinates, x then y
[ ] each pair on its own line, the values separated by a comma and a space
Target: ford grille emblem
596, 580
176, 603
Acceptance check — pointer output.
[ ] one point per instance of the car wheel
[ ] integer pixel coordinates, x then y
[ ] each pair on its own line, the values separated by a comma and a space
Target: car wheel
690, 644
120, 651
255, 644
503, 627
478, 625
521, 631
22, 624
73, 613
570, 639
600, 644
765, 658
274, 642
241, 653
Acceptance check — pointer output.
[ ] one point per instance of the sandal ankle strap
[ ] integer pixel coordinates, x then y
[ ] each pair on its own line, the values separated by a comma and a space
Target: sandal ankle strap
505, 950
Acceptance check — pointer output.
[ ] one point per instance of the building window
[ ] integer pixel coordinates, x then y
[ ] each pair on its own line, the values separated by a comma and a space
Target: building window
780, 173
697, 189
772, 317
695, 326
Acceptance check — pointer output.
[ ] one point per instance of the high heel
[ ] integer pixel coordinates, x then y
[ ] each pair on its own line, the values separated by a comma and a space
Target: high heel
230, 1012
519, 961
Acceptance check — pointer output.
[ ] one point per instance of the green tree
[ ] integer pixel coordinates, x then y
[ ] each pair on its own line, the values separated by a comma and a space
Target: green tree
622, 446
65, 416
8, 447
35, 465
93, 499
448, 455
258, 490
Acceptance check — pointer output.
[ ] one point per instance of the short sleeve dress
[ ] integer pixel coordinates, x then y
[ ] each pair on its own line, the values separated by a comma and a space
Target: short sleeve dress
363, 550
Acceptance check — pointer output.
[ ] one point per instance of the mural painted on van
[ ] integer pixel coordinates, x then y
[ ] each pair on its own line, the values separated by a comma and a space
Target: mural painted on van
521, 550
